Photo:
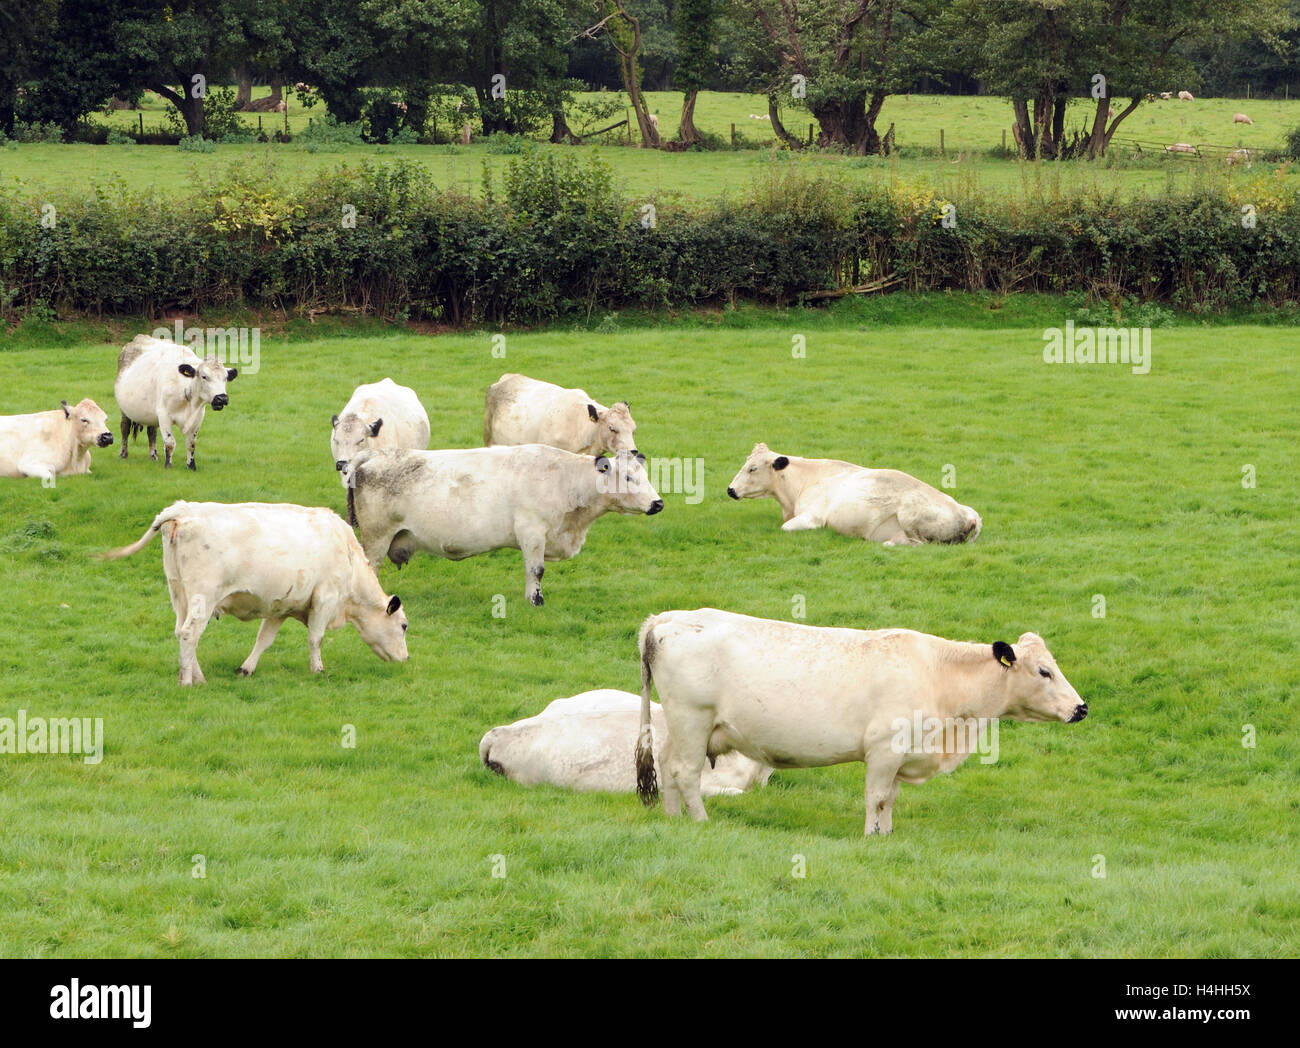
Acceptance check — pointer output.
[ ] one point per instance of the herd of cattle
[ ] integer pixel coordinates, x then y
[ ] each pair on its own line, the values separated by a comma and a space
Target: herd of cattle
741, 696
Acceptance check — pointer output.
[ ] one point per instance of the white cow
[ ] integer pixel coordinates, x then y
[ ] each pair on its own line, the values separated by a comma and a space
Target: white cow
522, 410
533, 498
49, 444
581, 743
161, 383
878, 505
380, 415
254, 560
908, 704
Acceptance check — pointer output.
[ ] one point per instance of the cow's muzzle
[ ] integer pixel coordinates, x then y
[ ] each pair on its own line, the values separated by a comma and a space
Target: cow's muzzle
105, 439
1080, 711
341, 464
732, 493
220, 401
655, 507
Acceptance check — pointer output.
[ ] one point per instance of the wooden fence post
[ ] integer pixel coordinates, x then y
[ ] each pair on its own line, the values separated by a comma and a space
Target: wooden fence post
941, 150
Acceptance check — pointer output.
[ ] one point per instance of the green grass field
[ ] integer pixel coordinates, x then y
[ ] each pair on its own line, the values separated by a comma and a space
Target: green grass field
972, 128
1090, 480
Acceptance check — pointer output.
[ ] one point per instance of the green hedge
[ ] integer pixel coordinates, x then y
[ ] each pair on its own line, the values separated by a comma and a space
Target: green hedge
553, 237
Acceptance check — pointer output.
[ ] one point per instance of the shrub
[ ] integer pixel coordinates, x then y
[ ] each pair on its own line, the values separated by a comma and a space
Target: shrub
117, 138
195, 144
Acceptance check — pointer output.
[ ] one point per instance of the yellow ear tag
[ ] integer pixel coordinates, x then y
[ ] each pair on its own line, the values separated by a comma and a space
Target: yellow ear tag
1005, 661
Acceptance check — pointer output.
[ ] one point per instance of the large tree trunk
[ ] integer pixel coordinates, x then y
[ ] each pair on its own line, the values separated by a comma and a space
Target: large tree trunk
191, 108
1099, 138
1023, 132
774, 114
243, 88
688, 134
844, 124
561, 133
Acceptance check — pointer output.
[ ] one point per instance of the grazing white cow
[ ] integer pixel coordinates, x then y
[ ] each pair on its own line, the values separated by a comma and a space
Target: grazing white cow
908, 704
455, 504
878, 505
1242, 118
380, 415
1185, 96
49, 444
161, 383
255, 560
581, 743
522, 410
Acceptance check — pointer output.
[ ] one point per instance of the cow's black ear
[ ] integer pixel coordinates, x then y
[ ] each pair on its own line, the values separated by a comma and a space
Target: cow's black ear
334, 422
67, 411
639, 457
592, 413
1004, 653
232, 374
394, 605
602, 464
376, 426
187, 370
627, 405
780, 462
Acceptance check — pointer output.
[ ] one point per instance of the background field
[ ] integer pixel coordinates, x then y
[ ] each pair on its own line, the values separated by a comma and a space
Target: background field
972, 128
1090, 481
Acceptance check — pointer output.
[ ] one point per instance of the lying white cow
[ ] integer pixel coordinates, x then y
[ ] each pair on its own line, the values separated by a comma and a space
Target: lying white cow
254, 560
380, 415
49, 444
581, 743
879, 505
521, 410
454, 504
161, 383
795, 696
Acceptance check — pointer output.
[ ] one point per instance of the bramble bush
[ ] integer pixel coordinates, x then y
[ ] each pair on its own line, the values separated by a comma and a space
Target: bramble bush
551, 236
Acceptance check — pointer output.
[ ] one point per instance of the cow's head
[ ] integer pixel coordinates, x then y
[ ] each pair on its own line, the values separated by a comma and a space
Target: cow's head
614, 426
756, 476
209, 381
89, 423
352, 434
1035, 686
383, 627
624, 478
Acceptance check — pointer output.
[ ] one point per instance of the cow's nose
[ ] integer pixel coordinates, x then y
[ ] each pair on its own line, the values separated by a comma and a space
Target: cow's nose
732, 493
340, 464
105, 439
1080, 711
220, 401
655, 507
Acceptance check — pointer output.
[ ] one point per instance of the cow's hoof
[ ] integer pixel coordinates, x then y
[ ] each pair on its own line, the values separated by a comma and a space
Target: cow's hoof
122, 454
191, 466
153, 456
241, 672
537, 600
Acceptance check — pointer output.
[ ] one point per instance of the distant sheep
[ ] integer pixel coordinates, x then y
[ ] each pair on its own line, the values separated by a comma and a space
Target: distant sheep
1182, 147
1166, 95
281, 107
1242, 118
1185, 96
1238, 156
654, 122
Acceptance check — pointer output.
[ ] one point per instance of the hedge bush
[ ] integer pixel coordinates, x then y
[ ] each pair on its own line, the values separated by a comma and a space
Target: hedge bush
554, 236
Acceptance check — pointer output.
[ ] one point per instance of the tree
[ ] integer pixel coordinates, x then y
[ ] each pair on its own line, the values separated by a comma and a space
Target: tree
623, 30
694, 22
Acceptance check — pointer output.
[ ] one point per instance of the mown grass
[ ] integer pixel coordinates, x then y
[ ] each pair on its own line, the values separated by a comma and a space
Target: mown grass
1090, 480
972, 132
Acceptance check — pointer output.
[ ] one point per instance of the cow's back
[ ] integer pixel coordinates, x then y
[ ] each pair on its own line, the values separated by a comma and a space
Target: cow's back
521, 410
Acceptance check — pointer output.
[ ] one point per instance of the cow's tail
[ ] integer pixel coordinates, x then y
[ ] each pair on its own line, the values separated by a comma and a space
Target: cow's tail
973, 531
485, 754
647, 782
351, 478
170, 513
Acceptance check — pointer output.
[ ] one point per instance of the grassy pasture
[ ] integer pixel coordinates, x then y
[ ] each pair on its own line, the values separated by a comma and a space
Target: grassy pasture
972, 127
1090, 480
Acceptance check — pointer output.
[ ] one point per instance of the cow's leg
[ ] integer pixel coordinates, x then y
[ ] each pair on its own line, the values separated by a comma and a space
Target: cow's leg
190, 440
672, 796
532, 544
153, 442
318, 619
881, 789
265, 638
126, 436
683, 765
376, 548
802, 522
169, 438
196, 621
30, 466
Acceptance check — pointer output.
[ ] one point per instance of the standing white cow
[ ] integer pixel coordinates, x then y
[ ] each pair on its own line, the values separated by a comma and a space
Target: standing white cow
380, 415
255, 560
533, 498
161, 383
522, 410
49, 444
878, 505
795, 696
581, 743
